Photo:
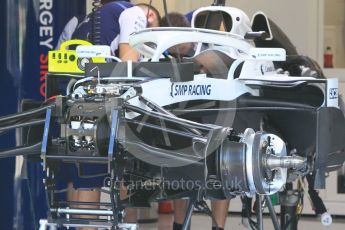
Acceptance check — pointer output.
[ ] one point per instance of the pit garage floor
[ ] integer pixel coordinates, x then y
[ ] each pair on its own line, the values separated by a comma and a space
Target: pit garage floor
200, 221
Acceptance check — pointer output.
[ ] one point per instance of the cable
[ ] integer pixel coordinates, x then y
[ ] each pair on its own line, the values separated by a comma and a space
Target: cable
170, 25
96, 23
147, 14
83, 80
166, 12
70, 85
52, 98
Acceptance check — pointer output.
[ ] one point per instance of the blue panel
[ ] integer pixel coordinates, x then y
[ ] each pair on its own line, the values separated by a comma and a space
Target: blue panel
113, 132
8, 104
28, 31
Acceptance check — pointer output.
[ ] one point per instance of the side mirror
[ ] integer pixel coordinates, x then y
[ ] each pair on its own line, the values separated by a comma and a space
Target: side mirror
260, 23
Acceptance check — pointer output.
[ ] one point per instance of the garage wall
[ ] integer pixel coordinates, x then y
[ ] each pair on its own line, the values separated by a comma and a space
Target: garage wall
335, 30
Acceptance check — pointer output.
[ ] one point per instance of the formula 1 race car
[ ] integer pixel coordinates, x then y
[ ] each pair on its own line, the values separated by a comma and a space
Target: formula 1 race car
231, 120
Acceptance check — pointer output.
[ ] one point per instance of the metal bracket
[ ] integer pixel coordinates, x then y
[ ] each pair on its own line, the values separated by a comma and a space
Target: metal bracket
45, 137
113, 135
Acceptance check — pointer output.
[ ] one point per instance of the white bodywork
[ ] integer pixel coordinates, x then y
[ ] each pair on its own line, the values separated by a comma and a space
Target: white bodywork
240, 21
257, 64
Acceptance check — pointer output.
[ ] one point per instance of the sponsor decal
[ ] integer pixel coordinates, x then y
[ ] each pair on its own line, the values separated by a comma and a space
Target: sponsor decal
269, 54
190, 90
265, 69
333, 93
46, 32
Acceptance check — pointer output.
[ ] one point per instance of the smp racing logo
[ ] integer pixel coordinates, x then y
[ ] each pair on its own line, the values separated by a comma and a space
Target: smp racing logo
266, 69
190, 90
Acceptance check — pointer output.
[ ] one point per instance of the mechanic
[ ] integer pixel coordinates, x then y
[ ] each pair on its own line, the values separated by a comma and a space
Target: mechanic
72, 24
128, 18
219, 207
178, 20
118, 19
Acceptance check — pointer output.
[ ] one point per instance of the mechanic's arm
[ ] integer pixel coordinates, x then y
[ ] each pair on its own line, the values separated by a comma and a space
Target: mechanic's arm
67, 32
131, 20
127, 53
